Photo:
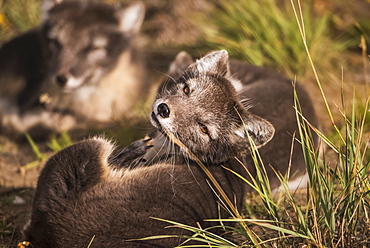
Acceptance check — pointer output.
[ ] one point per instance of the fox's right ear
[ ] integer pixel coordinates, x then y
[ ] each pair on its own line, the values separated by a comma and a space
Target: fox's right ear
131, 18
49, 4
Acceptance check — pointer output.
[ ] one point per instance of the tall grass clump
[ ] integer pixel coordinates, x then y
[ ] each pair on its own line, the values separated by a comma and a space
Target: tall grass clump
265, 33
340, 194
337, 207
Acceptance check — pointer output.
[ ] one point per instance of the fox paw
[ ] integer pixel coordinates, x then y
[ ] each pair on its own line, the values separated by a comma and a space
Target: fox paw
132, 154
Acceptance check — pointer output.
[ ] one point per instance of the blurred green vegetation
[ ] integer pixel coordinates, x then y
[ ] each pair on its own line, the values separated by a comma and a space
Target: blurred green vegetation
266, 34
17, 16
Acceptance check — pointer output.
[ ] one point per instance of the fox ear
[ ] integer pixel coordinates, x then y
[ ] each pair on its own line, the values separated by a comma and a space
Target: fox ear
131, 18
215, 62
182, 61
257, 128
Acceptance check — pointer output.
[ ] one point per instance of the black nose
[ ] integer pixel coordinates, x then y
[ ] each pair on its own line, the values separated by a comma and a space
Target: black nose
61, 80
163, 110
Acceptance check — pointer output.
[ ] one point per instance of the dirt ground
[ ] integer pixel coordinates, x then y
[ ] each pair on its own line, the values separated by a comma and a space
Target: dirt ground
166, 31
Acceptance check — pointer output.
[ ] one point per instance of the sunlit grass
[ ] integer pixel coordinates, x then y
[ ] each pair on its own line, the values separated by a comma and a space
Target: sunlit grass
266, 34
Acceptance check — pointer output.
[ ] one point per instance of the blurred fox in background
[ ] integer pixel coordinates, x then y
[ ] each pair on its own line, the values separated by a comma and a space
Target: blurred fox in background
79, 68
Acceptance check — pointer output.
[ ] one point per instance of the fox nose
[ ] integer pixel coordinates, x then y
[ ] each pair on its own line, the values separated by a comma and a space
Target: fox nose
163, 110
61, 80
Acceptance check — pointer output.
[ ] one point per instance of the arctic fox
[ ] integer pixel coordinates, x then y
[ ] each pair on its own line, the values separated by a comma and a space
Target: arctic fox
90, 195
81, 65
262, 91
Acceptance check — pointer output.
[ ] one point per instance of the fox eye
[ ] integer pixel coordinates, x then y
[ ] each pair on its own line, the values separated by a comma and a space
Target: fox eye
186, 90
203, 128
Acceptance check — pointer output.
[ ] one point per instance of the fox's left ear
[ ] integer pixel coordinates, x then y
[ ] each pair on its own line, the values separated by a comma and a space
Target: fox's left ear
131, 18
215, 62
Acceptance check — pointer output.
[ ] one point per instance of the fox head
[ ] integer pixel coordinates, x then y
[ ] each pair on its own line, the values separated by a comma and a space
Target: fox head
199, 106
83, 40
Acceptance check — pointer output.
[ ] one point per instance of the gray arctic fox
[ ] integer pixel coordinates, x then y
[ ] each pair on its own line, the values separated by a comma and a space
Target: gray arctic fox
262, 91
89, 195
81, 65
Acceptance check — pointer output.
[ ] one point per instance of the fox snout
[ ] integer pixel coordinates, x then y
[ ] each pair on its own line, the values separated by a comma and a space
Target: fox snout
160, 116
67, 81
61, 80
